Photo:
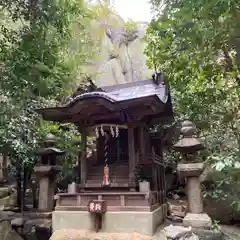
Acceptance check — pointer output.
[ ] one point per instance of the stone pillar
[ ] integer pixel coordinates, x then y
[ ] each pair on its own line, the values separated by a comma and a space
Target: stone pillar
194, 195
46, 177
188, 146
192, 172
46, 190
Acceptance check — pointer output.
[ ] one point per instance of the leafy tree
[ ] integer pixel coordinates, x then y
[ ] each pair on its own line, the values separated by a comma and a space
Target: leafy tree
40, 59
196, 44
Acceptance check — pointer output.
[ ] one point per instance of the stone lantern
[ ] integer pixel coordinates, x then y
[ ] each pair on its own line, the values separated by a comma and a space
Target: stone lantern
46, 172
191, 169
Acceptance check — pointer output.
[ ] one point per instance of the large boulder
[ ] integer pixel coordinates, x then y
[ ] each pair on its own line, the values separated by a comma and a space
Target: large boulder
38, 229
121, 60
8, 198
138, 60
120, 51
4, 192
70, 234
110, 74
7, 233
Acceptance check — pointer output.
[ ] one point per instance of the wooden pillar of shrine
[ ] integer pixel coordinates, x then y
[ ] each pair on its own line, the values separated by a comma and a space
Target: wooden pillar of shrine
141, 142
154, 171
83, 162
131, 153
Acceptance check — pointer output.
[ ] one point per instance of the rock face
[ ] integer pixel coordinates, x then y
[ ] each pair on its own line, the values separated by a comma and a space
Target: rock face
70, 234
121, 56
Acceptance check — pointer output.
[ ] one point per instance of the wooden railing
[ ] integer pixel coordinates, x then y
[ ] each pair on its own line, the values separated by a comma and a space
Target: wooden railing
150, 159
158, 173
158, 160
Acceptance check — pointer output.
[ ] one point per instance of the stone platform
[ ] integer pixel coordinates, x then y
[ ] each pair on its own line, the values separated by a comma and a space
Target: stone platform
119, 221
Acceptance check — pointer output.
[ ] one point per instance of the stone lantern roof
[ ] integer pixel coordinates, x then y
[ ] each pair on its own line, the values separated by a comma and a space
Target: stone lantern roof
50, 140
188, 143
49, 149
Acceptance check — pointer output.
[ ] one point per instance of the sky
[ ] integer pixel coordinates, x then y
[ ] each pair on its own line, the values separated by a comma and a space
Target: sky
137, 10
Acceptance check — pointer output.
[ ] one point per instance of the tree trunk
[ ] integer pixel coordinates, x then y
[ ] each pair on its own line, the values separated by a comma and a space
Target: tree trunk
19, 187
237, 48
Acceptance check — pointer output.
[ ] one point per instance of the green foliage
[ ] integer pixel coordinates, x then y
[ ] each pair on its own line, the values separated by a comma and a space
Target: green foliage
141, 174
225, 179
196, 44
43, 46
130, 26
39, 49
68, 139
215, 226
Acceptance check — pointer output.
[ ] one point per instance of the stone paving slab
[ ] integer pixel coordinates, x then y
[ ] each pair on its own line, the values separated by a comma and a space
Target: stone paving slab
231, 232
201, 233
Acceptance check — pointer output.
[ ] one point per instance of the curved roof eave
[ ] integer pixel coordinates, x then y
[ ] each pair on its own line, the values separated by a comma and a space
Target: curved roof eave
85, 96
113, 98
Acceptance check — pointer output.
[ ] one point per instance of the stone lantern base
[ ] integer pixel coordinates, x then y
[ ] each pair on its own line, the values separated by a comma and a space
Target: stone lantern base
46, 175
197, 220
192, 170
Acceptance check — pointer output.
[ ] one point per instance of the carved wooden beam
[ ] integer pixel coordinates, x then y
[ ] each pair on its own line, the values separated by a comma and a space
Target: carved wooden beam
107, 104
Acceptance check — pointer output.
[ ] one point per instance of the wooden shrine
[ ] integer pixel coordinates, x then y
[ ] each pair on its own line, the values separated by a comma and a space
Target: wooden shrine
119, 117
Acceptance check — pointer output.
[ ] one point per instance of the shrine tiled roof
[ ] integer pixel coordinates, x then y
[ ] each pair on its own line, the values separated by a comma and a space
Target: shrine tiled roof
118, 103
127, 92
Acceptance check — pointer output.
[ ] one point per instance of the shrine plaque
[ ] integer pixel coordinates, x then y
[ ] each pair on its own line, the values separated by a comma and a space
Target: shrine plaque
97, 206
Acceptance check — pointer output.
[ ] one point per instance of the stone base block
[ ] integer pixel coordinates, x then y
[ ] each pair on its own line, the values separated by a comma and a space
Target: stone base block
197, 220
114, 222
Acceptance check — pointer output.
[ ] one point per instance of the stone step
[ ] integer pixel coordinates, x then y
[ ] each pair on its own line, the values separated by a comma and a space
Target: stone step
115, 173
111, 180
122, 172
113, 185
101, 178
111, 177
110, 168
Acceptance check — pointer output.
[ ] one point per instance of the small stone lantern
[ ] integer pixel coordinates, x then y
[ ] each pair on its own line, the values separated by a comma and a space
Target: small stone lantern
190, 168
46, 173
